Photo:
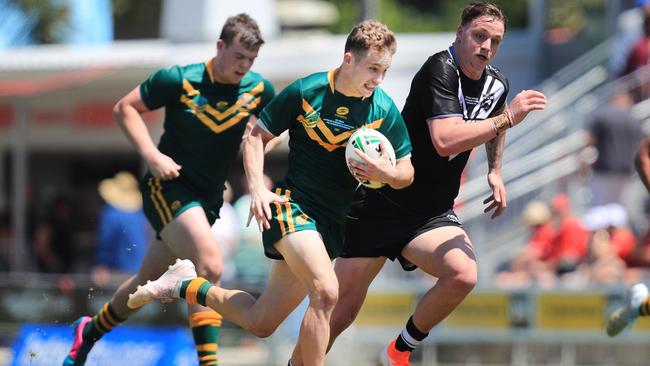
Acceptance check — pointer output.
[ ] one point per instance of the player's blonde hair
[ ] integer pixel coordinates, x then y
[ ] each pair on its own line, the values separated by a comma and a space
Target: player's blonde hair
244, 27
370, 34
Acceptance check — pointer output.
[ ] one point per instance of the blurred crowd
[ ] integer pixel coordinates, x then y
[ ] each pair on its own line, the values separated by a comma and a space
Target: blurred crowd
564, 250
106, 235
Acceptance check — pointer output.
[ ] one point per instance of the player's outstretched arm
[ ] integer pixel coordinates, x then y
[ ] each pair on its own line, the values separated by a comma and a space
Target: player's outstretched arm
127, 113
261, 197
452, 135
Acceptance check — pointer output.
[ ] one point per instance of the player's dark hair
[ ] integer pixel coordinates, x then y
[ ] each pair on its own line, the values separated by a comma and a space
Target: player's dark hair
370, 34
478, 9
244, 27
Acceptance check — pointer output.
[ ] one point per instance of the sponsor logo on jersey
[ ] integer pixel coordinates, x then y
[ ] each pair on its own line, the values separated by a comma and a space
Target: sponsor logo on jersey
222, 105
176, 205
342, 111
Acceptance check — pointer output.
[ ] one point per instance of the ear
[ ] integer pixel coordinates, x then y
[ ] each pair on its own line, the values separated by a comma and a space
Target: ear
459, 33
347, 58
220, 44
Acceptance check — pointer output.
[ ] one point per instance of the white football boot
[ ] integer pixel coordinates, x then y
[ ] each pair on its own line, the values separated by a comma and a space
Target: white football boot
166, 288
629, 311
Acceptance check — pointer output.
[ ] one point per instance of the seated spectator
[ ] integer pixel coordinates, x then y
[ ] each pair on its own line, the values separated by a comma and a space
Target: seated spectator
603, 266
122, 234
537, 217
571, 242
527, 268
612, 219
53, 241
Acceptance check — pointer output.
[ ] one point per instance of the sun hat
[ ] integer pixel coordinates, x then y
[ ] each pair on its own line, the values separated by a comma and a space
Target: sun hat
121, 191
536, 213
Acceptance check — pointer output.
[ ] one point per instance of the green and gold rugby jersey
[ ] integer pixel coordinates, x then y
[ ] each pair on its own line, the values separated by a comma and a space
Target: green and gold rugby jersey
320, 120
204, 120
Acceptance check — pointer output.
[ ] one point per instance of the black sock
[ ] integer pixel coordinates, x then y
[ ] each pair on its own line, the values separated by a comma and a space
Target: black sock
410, 337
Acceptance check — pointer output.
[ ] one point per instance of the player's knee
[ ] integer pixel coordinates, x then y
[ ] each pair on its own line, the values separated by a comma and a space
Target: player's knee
464, 281
325, 296
262, 330
210, 270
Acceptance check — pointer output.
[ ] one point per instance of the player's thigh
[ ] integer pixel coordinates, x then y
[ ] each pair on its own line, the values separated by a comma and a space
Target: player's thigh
355, 276
442, 251
189, 236
156, 261
308, 259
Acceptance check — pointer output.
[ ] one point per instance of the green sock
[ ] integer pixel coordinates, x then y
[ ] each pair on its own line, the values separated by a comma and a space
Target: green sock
195, 291
205, 327
102, 323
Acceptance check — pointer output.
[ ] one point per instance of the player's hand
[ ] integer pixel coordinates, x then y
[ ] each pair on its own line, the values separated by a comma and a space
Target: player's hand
261, 200
379, 170
163, 167
496, 201
525, 102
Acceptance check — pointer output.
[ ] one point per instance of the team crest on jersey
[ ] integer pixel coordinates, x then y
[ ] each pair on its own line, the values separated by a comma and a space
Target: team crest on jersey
486, 103
311, 119
222, 105
175, 205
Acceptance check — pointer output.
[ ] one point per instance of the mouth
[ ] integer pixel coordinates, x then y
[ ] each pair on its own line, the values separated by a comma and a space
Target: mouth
369, 87
240, 74
483, 58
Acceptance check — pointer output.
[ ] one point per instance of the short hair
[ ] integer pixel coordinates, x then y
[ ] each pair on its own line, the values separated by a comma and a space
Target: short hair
370, 34
478, 9
244, 27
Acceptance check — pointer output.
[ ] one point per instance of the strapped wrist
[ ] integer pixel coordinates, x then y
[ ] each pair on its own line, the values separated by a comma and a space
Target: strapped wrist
510, 116
501, 123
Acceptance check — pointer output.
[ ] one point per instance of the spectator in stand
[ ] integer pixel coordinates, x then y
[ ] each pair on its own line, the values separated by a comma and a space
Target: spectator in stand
603, 266
612, 219
122, 235
538, 218
54, 245
615, 134
571, 243
527, 267
639, 57
629, 30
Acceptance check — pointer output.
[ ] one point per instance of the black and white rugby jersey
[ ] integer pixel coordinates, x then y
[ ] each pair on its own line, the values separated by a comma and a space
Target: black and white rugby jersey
439, 90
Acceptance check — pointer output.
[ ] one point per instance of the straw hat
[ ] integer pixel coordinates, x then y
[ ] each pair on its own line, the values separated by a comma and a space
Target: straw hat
121, 191
536, 213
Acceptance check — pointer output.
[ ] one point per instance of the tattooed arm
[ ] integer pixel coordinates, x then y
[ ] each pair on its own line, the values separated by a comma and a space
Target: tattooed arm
496, 201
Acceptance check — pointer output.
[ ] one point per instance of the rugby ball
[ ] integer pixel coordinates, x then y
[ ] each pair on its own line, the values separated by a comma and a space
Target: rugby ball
367, 141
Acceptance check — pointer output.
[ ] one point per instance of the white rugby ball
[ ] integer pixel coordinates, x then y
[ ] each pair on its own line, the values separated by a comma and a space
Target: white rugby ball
368, 140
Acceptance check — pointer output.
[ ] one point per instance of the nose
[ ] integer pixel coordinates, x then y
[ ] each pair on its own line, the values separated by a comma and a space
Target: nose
378, 78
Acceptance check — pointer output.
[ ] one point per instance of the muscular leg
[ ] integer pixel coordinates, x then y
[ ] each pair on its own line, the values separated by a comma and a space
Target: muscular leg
306, 270
189, 236
352, 293
445, 253
155, 262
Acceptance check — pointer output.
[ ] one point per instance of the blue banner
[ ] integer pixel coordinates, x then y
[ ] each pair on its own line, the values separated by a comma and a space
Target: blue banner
47, 345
